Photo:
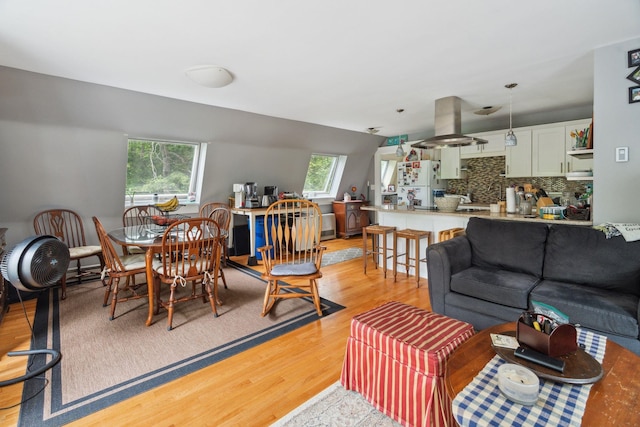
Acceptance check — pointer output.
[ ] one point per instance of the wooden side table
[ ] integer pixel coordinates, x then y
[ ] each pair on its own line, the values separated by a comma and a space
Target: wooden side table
612, 400
349, 218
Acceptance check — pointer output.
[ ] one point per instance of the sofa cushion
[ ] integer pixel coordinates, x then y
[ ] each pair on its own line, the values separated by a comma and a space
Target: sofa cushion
596, 309
511, 245
584, 255
502, 287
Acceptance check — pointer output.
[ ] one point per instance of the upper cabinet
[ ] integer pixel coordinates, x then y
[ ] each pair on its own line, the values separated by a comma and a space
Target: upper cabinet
518, 158
548, 151
450, 164
493, 147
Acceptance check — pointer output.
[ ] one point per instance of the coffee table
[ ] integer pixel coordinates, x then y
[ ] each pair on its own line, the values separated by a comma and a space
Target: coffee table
612, 401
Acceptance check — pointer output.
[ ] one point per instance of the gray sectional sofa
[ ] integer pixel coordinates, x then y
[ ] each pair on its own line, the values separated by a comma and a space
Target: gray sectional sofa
491, 275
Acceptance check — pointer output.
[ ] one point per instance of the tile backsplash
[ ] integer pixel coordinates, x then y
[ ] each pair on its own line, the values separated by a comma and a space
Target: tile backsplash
484, 182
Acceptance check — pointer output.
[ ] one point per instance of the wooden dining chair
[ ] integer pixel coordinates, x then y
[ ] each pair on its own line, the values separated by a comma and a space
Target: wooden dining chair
292, 252
117, 267
221, 213
67, 226
190, 254
137, 215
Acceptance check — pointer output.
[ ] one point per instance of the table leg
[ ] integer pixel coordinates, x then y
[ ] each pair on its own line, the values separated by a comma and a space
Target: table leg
252, 234
149, 271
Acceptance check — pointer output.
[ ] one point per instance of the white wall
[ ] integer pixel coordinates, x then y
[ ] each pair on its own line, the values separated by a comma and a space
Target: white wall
616, 124
63, 144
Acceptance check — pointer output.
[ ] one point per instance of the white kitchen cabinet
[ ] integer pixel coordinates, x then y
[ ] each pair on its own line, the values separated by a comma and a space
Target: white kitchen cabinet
548, 150
518, 158
576, 162
493, 147
450, 163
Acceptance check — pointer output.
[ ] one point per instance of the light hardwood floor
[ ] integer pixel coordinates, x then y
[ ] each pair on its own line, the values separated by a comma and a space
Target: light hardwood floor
254, 388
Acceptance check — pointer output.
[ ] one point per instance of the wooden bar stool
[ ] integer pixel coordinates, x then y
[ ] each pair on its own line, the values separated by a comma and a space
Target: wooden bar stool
450, 233
410, 235
376, 232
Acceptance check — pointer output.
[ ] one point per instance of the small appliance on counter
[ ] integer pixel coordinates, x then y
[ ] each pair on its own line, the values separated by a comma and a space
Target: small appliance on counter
251, 199
238, 191
271, 194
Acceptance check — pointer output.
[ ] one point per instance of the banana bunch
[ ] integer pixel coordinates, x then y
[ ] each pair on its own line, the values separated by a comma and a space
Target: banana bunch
168, 206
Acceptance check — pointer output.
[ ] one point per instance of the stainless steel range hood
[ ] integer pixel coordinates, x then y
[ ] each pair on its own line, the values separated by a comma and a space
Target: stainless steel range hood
448, 127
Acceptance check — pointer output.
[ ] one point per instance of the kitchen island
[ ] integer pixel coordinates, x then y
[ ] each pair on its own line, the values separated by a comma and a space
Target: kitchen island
436, 221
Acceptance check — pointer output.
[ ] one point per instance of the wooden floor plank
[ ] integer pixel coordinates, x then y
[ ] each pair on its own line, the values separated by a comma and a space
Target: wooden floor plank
255, 387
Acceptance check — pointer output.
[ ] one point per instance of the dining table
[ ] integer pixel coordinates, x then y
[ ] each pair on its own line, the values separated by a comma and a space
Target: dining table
149, 238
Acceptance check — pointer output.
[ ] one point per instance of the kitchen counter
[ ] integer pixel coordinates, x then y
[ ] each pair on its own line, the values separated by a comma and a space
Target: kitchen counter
471, 210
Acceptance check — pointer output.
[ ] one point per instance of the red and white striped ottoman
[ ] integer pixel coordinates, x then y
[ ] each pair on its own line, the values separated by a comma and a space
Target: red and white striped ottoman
396, 357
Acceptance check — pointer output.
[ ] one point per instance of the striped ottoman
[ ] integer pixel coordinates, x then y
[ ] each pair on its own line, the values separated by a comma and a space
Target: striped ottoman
396, 357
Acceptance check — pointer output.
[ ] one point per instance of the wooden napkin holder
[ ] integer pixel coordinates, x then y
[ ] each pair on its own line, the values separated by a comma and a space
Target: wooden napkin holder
563, 339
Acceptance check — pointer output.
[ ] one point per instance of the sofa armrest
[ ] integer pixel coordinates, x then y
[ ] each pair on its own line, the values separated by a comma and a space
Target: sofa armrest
443, 260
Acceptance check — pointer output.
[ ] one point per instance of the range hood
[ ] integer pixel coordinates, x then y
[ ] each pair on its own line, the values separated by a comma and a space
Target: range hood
448, 127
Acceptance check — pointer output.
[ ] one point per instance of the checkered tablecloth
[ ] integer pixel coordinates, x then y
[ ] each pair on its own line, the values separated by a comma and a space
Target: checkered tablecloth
482, 404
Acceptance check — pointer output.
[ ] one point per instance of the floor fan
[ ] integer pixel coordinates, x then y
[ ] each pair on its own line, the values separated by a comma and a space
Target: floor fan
35, 264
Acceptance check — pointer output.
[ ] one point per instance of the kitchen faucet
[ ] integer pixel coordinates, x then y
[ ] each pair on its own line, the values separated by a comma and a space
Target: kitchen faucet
499, 189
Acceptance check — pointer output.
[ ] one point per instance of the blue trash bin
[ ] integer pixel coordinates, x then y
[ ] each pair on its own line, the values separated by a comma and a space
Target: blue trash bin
260, 236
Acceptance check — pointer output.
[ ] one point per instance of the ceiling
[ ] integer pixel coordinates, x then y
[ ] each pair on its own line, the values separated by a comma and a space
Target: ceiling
345, 64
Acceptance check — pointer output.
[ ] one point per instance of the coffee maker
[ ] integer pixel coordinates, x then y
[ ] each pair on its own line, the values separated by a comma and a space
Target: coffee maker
238, 191
251, 195
270, 195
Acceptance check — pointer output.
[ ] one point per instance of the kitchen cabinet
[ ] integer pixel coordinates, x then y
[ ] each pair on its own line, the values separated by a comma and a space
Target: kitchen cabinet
494, 146
349, 217
578, 161
450, 163
518, 158
548, 151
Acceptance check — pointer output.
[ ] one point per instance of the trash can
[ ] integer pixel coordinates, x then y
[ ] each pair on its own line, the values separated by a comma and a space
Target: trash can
260, 236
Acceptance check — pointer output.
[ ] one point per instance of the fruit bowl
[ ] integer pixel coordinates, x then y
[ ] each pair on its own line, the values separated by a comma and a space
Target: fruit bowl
166, 209
447, 203
165, 220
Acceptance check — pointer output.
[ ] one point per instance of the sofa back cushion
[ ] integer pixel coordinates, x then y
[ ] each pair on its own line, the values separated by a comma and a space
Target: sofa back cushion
512, 245
583, 255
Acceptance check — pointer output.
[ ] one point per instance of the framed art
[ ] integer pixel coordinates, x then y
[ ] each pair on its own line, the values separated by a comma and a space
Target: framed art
634, 94
391, 188
634, 58
635, 76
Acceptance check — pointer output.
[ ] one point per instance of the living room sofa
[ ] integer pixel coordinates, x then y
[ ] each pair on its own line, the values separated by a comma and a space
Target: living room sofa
493, 273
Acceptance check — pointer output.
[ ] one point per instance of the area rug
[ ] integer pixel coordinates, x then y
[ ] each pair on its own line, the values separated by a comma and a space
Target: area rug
105, 362
336, 406
329, 258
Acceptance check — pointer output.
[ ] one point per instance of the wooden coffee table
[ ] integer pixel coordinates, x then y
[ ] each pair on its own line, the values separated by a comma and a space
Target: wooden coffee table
613, 401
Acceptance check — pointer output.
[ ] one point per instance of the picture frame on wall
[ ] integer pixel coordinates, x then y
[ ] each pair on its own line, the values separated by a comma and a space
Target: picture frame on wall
634, 94
635, 76
634, 58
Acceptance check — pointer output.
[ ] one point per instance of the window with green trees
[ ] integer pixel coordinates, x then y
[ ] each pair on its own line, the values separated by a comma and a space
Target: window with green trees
165, 168
323, 175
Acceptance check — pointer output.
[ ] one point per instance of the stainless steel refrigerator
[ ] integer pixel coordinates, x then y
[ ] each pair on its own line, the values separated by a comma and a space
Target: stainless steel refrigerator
417, 182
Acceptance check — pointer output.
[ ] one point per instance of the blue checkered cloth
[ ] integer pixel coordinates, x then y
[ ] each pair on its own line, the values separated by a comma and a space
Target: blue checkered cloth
482, 404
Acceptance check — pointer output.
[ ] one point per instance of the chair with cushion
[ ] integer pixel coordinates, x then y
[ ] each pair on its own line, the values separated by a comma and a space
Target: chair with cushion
117, 267
190, 254
67, 226
292, 252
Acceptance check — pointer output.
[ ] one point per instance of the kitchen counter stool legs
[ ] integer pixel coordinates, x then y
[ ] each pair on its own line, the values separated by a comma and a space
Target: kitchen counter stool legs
377, 232
409, 235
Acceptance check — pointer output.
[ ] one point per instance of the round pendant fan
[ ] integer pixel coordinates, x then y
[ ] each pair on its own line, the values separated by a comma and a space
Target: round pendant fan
35, 264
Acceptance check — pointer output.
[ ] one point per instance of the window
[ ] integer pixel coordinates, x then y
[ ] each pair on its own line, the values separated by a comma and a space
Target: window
166, 168
323, 175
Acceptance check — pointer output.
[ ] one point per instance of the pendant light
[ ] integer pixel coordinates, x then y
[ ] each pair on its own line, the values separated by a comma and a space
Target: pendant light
400, 151
510, 139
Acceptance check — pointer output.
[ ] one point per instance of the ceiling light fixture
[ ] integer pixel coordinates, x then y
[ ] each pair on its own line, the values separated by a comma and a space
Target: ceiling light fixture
210, 76
373, 130
510, 139
400, 151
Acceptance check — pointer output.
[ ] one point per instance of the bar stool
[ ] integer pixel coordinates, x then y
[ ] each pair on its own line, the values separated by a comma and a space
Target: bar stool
450, 233
410, 235
376, 232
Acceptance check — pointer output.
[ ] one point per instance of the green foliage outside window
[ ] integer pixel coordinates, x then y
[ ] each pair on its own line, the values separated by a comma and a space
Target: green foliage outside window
320, 173
159, 167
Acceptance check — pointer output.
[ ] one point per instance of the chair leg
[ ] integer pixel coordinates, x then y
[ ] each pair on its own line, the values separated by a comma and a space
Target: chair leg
316, 296
63, 283
212, 298
269, 296
171, 308
114, 299
107, 292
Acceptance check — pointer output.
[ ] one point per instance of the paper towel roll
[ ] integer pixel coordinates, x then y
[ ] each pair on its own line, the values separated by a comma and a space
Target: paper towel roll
511, 200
